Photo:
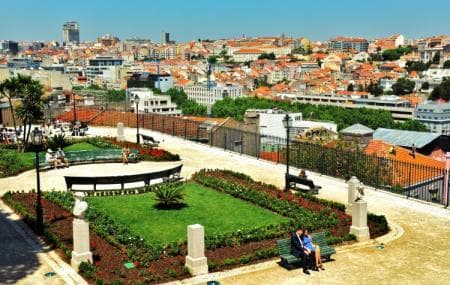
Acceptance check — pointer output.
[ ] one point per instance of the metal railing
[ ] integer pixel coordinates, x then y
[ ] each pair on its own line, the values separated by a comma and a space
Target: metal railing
412, 180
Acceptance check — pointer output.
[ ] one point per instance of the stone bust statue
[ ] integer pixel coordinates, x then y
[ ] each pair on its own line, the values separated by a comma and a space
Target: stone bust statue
80, 205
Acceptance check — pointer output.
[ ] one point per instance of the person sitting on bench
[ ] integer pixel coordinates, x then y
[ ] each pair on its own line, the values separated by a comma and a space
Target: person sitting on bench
298, 249
62, 156
302, 174
312, 249
125, 154
51, 158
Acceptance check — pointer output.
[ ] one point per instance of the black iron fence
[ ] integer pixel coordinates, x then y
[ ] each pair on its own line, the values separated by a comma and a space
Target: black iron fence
413, 180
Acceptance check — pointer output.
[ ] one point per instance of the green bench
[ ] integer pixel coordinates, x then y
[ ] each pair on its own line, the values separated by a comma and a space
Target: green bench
91, 156
287, 259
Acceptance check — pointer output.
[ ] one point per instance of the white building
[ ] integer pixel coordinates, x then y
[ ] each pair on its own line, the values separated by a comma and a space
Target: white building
207, 96
435, 116
271, 123
151, 103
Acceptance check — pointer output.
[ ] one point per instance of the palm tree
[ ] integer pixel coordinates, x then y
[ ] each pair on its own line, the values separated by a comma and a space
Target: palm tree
12, 88
31, 108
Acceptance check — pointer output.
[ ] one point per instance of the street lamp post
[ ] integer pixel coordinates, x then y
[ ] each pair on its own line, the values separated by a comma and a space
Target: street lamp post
36, 138
287, 123
136, 100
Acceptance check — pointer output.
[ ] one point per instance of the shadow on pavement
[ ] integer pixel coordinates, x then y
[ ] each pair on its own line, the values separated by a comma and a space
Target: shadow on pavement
17, 257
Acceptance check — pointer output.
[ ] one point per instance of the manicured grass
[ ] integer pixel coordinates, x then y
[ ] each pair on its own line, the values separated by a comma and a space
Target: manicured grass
80, 146
15, 162
217, 212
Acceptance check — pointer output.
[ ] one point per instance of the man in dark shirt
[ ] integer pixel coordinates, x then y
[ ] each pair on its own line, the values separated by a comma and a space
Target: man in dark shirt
298, 250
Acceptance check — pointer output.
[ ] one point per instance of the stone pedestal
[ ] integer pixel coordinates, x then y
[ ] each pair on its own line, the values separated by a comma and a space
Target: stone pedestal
352, 184
359, 221
120, 132
81, 246
195, 260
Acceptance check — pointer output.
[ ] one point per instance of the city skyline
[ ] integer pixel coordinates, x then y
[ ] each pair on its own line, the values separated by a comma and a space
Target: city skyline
189, 21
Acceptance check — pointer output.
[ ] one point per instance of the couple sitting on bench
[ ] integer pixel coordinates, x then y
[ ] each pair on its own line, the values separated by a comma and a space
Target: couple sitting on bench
302, 247
56, 159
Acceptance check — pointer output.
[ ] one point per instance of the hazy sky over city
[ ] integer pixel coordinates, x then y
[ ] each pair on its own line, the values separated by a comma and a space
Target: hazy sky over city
189, 20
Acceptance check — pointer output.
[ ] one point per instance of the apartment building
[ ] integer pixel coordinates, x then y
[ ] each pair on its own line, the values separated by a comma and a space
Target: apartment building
348, 44
208, 95
435, 116
151, 103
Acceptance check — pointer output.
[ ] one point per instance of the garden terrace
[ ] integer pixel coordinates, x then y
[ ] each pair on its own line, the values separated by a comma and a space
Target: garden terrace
411, 178
242, 224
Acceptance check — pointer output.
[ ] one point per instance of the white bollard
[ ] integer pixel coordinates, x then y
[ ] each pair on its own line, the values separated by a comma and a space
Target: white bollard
352, 184
120, 132
196, 261
81, 246
359, 221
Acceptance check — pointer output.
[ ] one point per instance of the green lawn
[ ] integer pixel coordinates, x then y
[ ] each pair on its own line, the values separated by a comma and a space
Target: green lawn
15, 162
217, 212
80, 146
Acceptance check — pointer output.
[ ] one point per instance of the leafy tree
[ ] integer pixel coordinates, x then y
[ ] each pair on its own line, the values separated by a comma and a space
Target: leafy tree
299, 50
156, 90
395, 54
270, 56
115, 95
416, 66
411, 125
212, 59
425, 86
188, 107
375, 89
31, 108
12, 88
436, 57
350, 87
442, 90
447, 64
94, 87
376, 57
403, 86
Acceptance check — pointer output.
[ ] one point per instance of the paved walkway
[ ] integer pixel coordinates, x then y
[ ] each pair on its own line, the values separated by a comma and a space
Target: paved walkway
26, 260
416, 252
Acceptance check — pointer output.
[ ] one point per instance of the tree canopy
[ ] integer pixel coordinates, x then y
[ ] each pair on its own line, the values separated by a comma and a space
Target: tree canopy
447, 64
403, 86
188, 107
270, 56
341, 116
395, 54
442, 91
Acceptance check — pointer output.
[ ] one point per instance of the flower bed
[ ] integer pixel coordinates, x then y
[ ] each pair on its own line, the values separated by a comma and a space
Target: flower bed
113, 244
147, 154
269, 196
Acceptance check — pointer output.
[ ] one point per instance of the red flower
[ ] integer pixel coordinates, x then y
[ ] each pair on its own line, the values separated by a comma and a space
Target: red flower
299, 200
93, 244
136, 264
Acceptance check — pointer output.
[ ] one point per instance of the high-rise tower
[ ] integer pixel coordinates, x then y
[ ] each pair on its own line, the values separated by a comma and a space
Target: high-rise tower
71, 33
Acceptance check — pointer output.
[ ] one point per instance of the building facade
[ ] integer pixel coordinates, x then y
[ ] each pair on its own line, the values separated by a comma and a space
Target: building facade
10, 47
71, 33
207, 96
347, 44
435, 116
151, 103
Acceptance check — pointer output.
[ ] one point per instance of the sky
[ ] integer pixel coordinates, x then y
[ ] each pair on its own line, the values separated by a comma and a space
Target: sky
189, 20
